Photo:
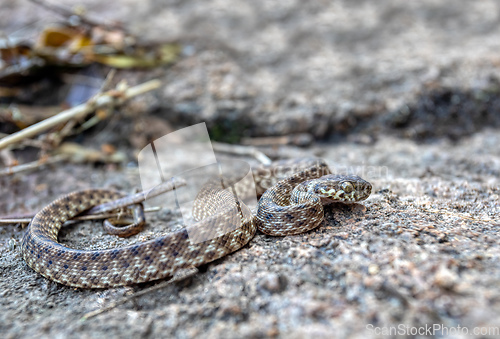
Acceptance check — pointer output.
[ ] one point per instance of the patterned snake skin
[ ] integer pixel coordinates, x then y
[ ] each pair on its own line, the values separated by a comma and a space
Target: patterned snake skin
291, 206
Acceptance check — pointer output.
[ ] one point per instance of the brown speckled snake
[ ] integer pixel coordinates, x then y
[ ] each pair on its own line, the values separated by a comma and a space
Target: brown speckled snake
292, 205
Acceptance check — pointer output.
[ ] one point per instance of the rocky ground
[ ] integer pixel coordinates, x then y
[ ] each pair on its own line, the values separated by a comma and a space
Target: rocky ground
404, 94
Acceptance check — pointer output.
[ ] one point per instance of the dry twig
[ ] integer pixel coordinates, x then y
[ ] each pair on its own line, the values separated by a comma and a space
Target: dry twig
181, 276
26, 219
69, 13
242, 150
139, 197
97, 211
113, 97
32, 165
302, 140
25, 142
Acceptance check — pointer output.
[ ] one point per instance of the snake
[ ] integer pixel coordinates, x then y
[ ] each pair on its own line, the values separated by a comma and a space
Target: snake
287, 206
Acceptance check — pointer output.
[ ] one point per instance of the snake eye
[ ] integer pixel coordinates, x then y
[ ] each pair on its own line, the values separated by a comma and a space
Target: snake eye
347, 187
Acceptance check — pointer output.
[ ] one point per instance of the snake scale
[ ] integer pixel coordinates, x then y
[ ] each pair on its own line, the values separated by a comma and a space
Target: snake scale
292, 205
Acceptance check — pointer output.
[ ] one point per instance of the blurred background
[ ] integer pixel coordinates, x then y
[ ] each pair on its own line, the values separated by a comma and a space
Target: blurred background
403, 93
316, 70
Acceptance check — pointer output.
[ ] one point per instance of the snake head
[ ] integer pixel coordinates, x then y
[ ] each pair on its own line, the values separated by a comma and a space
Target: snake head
339, 188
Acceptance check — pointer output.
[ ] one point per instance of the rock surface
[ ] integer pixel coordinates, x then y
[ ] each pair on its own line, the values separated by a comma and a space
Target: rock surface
371, 78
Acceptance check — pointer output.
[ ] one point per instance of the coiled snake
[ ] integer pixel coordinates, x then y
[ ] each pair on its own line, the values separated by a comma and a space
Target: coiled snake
291, 206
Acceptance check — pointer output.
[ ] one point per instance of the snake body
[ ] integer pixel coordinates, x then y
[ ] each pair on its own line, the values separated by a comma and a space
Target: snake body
291, 206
